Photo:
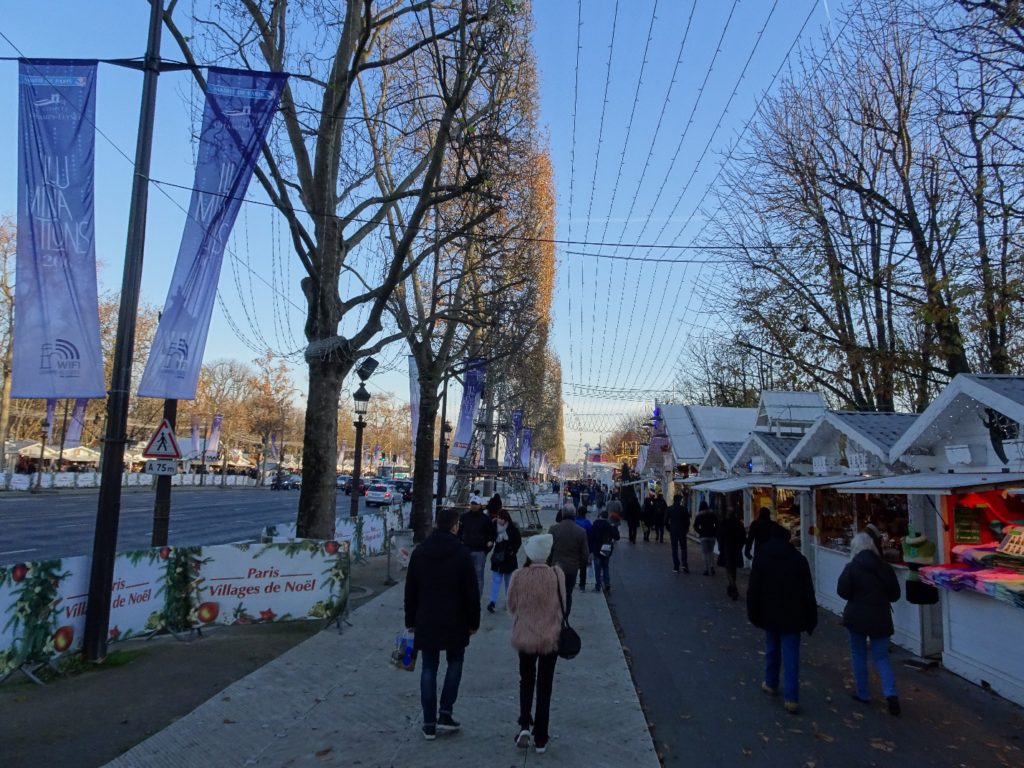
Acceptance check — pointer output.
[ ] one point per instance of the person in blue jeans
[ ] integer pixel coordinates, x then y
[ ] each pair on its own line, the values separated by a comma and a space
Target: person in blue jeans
442, 610
780, 600
869, 586
601, 539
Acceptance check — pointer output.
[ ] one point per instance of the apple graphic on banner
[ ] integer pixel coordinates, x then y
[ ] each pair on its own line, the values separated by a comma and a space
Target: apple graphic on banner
18, 572
62, 638
208, 612
165, 552
331, 547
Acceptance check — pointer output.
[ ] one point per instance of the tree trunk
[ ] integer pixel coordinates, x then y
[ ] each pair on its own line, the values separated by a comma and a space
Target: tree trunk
422, 512
5, 403
320, 451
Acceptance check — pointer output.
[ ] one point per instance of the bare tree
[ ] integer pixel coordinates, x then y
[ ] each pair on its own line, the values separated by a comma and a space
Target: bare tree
374, 107
8, 240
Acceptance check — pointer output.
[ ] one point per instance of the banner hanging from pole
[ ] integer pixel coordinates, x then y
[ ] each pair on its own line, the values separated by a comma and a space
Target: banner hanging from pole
524, 455
472, 393
513, 441
239, 108
56, 345
342, 452
213, 445
73, 437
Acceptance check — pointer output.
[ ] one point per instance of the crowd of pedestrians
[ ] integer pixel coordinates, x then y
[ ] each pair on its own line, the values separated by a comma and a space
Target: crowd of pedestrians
445, 585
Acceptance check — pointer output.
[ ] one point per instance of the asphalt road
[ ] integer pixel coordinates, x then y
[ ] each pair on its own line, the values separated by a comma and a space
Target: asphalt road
61, 523
698, 666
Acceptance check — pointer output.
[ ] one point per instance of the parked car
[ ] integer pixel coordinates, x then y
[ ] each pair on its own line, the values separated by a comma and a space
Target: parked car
286, 483
342, 481
380, 494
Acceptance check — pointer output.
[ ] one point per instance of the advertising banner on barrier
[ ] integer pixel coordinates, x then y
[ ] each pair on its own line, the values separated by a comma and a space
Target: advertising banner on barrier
56, 345
472, 392
253, 583
239, 108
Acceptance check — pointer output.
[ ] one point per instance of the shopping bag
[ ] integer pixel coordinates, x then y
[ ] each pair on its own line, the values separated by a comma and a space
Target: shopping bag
403, 656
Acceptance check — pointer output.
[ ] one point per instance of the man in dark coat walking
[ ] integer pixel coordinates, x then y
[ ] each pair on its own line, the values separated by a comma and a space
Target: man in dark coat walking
780, 600
678, 527
759, 532
477, 532
442, 607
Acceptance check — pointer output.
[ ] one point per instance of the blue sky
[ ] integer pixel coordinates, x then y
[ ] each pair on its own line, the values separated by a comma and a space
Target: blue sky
619, 325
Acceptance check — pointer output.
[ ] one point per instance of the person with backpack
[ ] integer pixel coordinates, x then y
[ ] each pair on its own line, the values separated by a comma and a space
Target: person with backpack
601, 538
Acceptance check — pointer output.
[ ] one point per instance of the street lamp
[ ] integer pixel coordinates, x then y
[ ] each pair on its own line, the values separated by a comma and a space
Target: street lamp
442, 465
360, 402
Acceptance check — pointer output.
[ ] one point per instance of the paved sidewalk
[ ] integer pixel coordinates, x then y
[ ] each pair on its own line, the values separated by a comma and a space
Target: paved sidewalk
336, 700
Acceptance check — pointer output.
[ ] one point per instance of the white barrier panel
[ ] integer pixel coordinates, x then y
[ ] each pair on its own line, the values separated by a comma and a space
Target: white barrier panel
365, 534
257, 583
21, 482
64, 479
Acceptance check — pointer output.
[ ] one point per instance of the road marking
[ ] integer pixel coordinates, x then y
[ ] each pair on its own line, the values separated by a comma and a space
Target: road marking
18, 551
74, 525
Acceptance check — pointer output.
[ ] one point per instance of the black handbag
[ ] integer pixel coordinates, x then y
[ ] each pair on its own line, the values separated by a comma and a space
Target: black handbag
569, 643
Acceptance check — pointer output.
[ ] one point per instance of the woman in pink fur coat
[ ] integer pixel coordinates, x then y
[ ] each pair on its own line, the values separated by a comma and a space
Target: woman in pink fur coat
535, 599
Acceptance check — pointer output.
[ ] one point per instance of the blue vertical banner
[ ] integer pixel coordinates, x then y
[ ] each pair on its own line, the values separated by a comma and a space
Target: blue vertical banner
213, 444
513, 440
51, 417
414, 399
239, 109
472, 392
56, 346
524, 455
273, 447
73, 436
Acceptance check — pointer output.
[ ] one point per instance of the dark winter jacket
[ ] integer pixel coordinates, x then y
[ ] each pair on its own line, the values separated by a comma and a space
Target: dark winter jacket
730, 542
569, 550
679, 519
442, 600
601, 532
660, 511
506, 552
477, 531
780, 595
869, 585
706, 525
758, 534
630, 506
648, 512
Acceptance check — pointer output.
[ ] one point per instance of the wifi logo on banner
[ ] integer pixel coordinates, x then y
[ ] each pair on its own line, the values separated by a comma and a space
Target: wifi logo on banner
60, 357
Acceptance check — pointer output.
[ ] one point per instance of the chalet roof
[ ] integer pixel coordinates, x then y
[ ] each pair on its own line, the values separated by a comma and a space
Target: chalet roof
875, 432
965, 394
692, 429
788, 408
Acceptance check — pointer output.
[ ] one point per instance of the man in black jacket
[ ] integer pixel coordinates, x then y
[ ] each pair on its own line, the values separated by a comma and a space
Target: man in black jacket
478, 534
780, 600
758, 532
678, 527
442, 608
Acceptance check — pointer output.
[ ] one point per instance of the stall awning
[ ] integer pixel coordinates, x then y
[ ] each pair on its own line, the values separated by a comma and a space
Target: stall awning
816, 481
725, 485
928, 483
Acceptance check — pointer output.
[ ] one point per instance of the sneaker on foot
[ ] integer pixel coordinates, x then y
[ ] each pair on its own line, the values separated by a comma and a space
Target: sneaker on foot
540, 747
430, 732
675, 570
893, 703
490, 607
523, 739
792, 707
769, 690
447, 723
685, 569
857, 697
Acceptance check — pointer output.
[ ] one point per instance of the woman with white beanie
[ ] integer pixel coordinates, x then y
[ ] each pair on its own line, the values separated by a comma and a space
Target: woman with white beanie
535, 599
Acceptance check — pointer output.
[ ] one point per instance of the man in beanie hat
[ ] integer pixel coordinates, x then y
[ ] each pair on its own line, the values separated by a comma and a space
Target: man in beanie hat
569, 550
478, 533
442, 607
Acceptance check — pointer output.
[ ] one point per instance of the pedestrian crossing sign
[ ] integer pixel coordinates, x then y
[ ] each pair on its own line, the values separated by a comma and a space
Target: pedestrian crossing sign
163, 444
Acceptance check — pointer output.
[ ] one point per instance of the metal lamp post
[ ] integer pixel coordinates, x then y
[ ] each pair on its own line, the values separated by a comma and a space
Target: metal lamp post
442, 465
361, 401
